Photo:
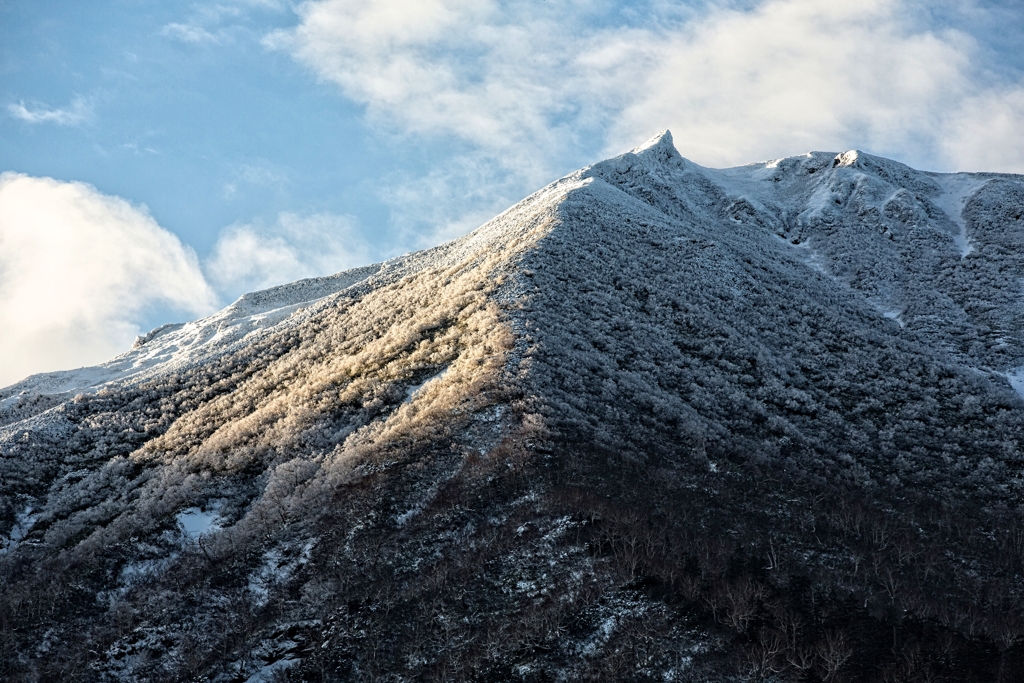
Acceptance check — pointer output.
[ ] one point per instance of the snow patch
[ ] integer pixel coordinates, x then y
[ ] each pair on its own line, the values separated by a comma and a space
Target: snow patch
412, 391
23, 523
600, 637
269, 672
820, 201
277, 568
1016, 379
849, 158
957, 189
403, 519
809, 258
139, 571
197, 522
894, 314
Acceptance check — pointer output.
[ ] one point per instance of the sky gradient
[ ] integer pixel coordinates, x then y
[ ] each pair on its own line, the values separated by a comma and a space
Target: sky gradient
162, 158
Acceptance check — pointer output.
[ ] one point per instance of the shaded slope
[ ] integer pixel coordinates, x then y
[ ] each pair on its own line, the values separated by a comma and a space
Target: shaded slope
660, 320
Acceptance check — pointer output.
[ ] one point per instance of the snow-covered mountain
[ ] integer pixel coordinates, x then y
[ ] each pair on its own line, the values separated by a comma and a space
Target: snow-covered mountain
656, 421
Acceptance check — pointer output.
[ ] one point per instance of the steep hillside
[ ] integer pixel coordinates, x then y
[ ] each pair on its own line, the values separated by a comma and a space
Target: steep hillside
656, 421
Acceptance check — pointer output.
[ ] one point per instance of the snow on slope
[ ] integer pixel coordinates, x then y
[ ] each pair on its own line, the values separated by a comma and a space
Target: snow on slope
957, 189
802, 200
791, 197
683, 318
900, 238
675, 277
173, 346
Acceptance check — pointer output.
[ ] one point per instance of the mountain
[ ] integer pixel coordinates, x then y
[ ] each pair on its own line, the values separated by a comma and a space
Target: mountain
654, 422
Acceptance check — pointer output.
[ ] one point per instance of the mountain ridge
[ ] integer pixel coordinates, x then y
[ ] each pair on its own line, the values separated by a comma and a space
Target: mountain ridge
660, 149
653, 421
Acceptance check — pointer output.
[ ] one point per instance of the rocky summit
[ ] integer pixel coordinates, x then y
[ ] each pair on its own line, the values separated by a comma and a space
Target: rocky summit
656, 422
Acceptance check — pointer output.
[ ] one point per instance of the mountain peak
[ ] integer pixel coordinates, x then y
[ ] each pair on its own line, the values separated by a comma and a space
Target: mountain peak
653, 154
659, 148
660, 142
848, 158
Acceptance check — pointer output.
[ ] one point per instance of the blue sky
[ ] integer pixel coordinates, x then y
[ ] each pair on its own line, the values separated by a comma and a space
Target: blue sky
162, 158
172, 123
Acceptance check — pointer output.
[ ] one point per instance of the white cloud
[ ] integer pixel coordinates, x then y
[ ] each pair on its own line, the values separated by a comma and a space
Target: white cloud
490, 75
217, 23
251, 257
792, 76
189, 33
527, 83
986, 133
77, 271
261, 174
135, 149
449, 201
272, 5
79, 111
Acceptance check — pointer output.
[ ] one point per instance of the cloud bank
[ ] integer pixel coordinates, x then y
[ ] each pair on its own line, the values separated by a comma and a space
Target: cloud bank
525, 83
77, 271
248, 257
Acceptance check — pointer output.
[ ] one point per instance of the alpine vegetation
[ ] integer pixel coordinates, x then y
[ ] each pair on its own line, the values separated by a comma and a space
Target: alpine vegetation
654, 422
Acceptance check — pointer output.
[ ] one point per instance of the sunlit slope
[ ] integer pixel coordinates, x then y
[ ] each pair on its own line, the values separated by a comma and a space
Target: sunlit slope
278, 374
